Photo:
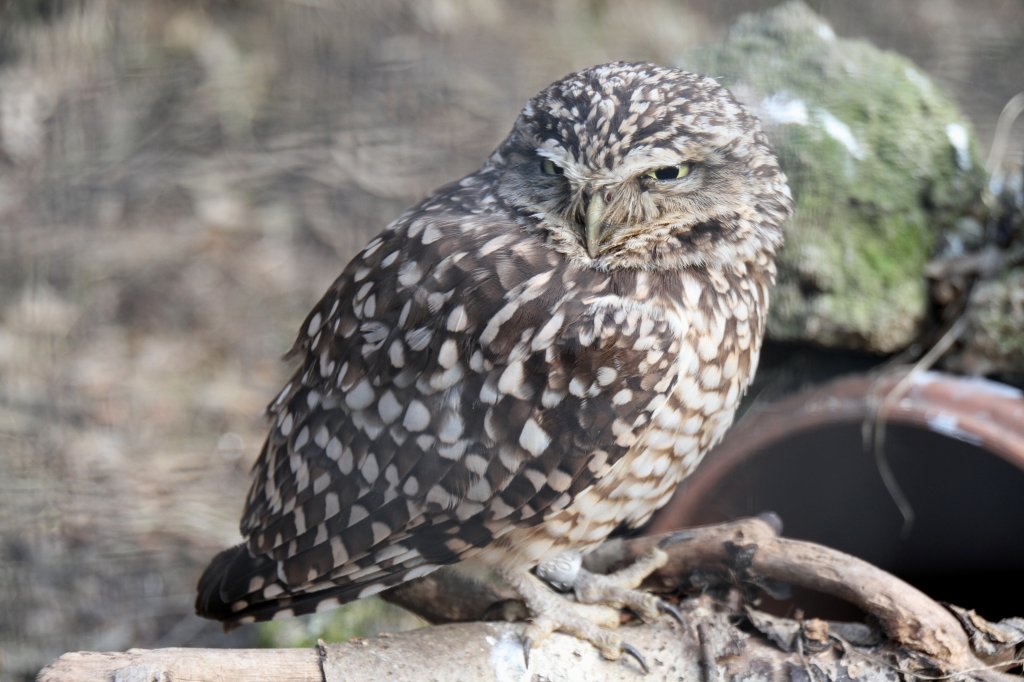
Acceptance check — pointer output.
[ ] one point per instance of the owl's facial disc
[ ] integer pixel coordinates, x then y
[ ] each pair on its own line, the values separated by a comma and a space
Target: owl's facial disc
640, 166
608, 205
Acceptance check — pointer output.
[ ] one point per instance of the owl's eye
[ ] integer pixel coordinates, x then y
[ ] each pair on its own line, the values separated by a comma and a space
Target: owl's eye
669, 172
549, 167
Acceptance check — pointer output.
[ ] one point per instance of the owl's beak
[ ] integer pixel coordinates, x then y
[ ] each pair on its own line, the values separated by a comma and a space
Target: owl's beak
595, 221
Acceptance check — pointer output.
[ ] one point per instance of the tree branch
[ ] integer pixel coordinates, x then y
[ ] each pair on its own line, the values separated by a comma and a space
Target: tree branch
723, 639
750, 548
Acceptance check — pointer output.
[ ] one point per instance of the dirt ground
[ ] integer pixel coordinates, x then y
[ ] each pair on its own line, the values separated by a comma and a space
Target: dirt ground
179, 181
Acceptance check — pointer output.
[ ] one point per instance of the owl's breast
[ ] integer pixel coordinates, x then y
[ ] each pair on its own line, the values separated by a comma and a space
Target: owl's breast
712, 362
696, 381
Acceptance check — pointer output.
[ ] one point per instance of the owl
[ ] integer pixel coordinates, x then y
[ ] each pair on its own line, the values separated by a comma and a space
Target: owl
528, 359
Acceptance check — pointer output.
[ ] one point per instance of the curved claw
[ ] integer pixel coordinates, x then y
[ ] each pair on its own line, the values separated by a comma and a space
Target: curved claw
527, 644
674, 538
671, 610
773, 520
635, 653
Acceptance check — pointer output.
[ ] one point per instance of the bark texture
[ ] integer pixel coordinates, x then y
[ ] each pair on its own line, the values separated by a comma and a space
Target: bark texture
726, 638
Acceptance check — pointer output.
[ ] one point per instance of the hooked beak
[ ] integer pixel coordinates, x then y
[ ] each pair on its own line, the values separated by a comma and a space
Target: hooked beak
595, 221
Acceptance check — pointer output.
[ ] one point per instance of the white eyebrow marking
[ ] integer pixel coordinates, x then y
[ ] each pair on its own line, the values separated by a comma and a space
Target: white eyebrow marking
639, 160
642, 159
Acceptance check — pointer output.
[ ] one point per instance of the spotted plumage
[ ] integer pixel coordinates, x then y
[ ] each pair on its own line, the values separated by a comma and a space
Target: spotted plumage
527, 359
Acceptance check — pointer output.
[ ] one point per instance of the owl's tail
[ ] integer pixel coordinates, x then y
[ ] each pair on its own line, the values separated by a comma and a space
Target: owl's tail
238, 588
221, 595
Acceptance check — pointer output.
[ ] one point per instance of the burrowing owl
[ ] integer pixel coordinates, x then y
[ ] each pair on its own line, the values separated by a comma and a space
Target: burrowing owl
527, 359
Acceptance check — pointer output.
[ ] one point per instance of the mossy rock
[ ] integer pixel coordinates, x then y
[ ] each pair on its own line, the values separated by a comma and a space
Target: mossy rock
994, 342
881, 164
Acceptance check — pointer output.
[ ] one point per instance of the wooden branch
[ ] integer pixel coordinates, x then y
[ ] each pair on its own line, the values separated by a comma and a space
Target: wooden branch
165, 665
751, 548
449, 595
488, 651
721, 639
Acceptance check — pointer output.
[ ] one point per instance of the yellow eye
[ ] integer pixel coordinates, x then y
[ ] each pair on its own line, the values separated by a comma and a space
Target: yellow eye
669, 172
549, 167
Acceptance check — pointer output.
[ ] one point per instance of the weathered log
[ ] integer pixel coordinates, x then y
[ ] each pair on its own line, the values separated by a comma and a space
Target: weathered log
722, 640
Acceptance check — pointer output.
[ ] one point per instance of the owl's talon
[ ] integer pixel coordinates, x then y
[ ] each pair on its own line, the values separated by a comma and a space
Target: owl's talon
527, 644
671, 610
635, 653
675, 538
621, 589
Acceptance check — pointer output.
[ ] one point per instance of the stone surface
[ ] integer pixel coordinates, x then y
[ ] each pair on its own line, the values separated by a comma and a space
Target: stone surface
881, 162
994, 342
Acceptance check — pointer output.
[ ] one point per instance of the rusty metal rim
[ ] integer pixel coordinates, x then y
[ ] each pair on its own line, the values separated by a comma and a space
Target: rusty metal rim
986, 414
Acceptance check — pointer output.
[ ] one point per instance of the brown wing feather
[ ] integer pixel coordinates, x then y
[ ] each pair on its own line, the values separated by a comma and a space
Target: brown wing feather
433, 400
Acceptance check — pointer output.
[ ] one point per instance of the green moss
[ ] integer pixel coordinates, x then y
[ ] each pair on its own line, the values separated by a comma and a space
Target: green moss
866, 141
996, 319
363, 618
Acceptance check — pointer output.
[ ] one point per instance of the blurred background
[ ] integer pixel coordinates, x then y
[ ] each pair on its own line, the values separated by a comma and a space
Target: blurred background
180, 181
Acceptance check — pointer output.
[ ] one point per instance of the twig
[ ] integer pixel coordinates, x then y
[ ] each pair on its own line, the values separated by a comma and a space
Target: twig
873, 427
907, 615
1011, 111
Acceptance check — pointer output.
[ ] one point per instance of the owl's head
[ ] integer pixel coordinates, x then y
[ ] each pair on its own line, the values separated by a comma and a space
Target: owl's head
642, 166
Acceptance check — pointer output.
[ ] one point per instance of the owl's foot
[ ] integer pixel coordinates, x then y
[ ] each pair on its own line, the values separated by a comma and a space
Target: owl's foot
599, 598
552, 612
620, 589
